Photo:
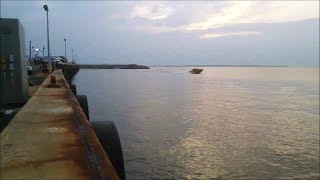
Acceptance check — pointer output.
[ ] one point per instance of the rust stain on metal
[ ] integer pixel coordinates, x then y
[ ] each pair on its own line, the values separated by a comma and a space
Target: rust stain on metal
50, 138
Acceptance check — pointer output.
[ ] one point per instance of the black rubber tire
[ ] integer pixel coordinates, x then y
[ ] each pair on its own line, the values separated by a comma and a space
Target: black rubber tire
73, 89
108, 136
82, 99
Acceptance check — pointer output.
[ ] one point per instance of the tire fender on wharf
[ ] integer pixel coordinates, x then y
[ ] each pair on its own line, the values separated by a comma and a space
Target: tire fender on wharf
82, 99
109, 138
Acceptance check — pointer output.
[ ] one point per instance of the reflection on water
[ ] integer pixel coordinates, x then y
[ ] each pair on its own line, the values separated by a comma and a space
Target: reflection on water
225, 123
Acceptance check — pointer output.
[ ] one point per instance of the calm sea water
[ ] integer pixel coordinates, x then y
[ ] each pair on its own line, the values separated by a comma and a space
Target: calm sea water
228, 123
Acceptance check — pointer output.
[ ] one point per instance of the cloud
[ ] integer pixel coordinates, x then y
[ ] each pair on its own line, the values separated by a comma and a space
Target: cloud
220, 14
151, 10
282, 11
227, 14
217, 35
157, 29
258, 12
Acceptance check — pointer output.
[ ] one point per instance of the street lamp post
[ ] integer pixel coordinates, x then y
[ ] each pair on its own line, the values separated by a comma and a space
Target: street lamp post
72, 56
65, 48
30, 51
46, 8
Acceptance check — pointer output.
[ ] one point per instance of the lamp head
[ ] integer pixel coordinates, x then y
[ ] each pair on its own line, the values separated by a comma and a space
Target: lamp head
46, 7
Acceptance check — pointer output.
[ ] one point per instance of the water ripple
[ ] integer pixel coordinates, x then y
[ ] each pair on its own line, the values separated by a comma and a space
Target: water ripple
227, 123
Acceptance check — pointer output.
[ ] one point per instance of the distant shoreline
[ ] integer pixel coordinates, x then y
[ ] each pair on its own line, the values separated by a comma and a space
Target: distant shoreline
136, 66
219, 66
112, 66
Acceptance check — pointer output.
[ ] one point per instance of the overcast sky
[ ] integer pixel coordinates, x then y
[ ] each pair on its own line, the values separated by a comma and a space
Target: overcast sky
175, 33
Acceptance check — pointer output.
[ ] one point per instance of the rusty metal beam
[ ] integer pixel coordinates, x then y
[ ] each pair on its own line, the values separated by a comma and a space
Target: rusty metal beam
50, 138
